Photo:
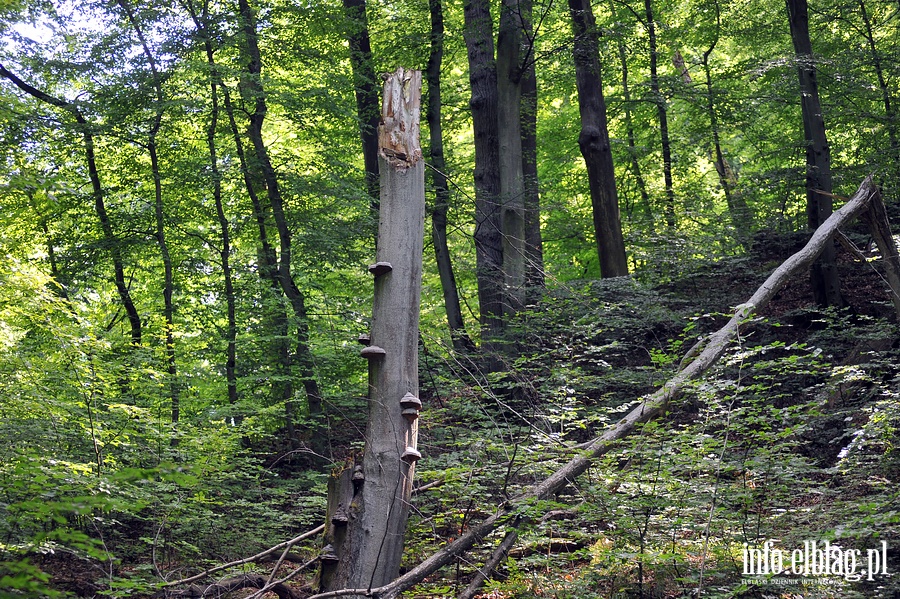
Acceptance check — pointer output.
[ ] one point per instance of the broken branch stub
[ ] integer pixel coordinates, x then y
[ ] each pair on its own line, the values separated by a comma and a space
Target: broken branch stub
398, 134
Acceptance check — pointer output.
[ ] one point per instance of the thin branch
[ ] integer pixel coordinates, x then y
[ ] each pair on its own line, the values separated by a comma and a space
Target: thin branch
311, 533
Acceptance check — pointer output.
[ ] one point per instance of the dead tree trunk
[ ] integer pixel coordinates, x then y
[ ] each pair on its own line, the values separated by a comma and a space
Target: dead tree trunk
369, 504
712, 348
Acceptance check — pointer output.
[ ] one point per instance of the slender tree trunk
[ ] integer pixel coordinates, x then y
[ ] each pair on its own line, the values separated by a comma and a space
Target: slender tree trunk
741, 217
512, 180
662, 113
168, 274
629, 132
366, 90
826, 284
488, 236
109, 237
594, 142
274, 313
254, 94
890, 113
458, 332
365, 536
534, 245
225, 250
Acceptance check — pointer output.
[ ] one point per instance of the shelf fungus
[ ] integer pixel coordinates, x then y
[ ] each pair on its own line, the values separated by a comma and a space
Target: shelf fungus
380, 268
358, 478
373, 352
328, 554
340, 518
411, 455
364, 339
410, 414
410, 401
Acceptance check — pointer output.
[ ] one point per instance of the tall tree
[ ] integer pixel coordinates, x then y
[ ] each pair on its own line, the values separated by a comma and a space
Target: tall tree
628, 121
594, 142
202, 24
741, 217
254, 95
366, 90
460, 337
509, 63
534, 246
488, 221
662, 112
159, 210
826, 284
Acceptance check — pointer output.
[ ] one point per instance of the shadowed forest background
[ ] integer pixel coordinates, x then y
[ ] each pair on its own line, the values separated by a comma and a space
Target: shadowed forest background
189, 202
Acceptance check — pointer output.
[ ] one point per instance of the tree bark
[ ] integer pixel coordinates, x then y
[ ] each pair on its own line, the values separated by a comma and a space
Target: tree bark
512, 180
109, 237
366, 90
653, 405
458, 334
594, 142
534, 245
373, 522
826, 284
662, 112
488, 227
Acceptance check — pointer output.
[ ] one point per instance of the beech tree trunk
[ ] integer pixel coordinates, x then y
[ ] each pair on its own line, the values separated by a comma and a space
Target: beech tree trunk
826, 284
534, 245
458, 334
741, 217
369, 504
366, 90
225, 250
512, 179
488, 228
594, 142
629, 132
159, 211
254, 96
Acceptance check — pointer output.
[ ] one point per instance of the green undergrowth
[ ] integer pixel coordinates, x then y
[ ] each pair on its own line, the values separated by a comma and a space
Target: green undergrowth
789, 439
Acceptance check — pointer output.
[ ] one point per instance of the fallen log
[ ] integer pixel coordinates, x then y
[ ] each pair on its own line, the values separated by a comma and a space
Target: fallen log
707, 354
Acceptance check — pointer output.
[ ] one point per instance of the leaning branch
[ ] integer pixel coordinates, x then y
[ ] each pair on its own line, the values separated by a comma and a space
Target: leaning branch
652, 406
